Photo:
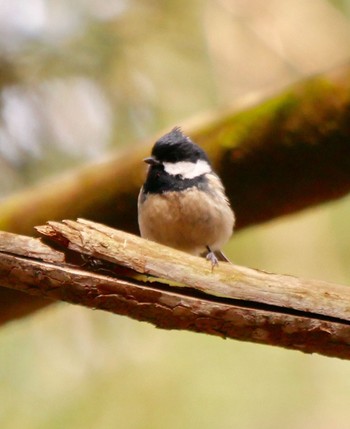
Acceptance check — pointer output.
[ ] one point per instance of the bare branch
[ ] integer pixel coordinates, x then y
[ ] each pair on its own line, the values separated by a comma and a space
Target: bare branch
131, 276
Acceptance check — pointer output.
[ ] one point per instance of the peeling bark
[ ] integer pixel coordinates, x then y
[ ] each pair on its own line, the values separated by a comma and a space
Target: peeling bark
127, 275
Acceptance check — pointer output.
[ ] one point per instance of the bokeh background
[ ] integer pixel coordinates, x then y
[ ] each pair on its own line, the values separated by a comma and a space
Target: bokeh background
80, 79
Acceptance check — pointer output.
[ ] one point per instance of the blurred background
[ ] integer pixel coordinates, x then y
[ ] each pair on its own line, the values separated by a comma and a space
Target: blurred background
80, 79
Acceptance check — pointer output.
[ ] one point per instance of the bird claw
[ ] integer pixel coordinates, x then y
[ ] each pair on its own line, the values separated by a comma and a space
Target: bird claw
212, 258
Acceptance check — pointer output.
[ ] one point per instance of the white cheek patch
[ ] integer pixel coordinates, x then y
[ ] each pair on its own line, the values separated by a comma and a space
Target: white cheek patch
188, 170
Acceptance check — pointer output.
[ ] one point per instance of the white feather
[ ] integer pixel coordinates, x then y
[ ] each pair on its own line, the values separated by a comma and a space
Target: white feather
188, 170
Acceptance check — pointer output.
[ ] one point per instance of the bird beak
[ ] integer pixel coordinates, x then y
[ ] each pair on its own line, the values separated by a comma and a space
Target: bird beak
151, 161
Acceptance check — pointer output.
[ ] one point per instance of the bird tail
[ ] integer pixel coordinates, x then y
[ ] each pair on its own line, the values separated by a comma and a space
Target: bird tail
221, 256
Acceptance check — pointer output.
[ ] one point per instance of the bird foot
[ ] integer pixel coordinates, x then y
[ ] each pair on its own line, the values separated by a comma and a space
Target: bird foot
212, 258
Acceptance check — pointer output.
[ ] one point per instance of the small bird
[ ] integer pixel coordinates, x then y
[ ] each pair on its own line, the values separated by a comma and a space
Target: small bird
182, 203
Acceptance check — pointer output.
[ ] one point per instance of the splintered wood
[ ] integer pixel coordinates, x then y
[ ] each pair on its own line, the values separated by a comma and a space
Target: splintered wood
100, 267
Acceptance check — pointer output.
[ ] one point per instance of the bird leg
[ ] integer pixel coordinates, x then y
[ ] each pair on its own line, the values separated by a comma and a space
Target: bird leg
212, 258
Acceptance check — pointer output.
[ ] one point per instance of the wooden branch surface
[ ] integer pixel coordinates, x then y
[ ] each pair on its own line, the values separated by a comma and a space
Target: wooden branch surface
128, 275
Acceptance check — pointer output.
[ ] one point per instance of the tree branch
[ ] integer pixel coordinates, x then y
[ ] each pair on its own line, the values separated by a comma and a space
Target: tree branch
127, 275
276, 156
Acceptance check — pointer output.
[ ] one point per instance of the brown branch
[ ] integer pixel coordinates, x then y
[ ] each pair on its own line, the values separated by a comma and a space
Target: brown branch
283, 153
128, 275
280, 155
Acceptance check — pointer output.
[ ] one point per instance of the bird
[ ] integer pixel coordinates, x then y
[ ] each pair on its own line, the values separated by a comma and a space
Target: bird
182, 203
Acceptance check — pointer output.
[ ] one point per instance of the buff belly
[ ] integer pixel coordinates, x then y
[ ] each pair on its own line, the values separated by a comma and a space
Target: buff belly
189, 220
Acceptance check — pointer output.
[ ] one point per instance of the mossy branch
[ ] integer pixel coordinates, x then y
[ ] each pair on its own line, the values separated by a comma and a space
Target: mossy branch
280, 155
103, 268
286, 152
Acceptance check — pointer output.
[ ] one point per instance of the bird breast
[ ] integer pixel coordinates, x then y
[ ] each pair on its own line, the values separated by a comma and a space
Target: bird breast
188, 220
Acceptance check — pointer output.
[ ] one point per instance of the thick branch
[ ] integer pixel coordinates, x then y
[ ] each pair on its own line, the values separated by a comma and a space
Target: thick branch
284, 153
134, 277
277, 156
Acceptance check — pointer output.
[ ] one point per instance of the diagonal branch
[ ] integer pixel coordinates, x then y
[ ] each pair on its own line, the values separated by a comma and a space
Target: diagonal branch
276, 156
118, 272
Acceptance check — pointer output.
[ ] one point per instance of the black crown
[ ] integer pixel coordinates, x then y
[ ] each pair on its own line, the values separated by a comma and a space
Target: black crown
175, 147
